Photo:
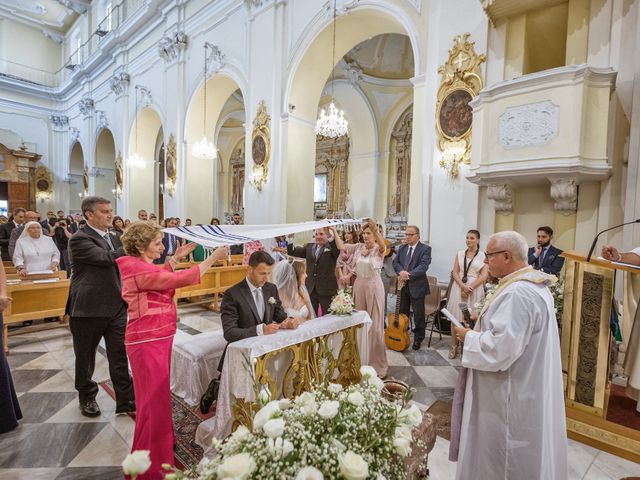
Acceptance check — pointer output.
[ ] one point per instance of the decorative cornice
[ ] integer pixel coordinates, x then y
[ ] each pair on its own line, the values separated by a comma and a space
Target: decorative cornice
171, 45
502, 195
564, 192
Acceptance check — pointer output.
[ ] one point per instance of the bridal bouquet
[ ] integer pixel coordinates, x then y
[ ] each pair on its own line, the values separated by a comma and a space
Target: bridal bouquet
329, 432
342, 303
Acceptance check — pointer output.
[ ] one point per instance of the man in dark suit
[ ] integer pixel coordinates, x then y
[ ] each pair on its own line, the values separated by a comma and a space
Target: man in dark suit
411, 264
236, 219
544, 256
96, 307
170, 243
5, 232
321, 256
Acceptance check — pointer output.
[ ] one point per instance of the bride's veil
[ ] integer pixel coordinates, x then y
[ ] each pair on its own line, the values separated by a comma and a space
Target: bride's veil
285, 278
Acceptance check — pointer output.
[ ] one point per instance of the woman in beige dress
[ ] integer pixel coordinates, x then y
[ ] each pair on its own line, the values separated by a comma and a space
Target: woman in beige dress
469, 276
368, 290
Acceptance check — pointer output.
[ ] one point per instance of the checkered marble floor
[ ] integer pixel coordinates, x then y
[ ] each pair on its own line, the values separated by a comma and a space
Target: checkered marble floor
54, 441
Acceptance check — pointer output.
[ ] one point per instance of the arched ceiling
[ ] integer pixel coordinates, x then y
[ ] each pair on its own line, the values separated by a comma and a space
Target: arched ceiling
387, 56
56, 15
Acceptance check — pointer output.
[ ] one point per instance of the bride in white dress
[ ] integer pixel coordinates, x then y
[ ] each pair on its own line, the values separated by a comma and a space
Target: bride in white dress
289, 277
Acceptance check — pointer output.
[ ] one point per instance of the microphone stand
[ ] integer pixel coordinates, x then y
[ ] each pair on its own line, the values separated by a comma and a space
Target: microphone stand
595, 240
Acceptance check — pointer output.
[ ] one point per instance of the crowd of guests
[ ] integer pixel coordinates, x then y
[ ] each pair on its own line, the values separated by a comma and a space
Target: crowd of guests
124, 279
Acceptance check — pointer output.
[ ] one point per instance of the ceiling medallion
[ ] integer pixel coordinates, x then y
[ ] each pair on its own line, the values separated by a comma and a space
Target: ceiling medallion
460, 82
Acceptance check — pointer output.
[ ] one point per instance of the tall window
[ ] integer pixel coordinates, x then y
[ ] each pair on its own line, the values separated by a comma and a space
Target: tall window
75, 46
108, 17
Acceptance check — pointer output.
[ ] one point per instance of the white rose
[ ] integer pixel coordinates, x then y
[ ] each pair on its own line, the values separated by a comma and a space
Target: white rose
265, 395
265, 414
280, 447
353, 466
307, 403
238, 467
368, 373
306, 397
411, 415
403, 446
335, 388
241, 433
355, 398
274, 428
284, 404
309, 473
403, 431
328, 409
376, 382
136, 463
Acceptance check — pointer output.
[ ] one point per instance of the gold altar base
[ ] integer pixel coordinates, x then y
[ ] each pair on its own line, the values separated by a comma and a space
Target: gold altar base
603, 435
586, 341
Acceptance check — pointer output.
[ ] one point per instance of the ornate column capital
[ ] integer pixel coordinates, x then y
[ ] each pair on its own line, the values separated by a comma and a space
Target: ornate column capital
171, 45
60, 122
564, 192
502, 195
216, 59
119, 83
86, 105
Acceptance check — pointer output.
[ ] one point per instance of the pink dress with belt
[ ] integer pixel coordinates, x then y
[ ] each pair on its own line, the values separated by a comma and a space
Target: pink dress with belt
148, 290
368, 295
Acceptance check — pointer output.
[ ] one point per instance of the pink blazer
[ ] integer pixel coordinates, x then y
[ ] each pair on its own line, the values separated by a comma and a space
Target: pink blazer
148, 290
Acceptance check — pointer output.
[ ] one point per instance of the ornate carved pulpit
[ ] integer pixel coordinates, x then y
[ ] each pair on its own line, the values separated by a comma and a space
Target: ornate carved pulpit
586, 357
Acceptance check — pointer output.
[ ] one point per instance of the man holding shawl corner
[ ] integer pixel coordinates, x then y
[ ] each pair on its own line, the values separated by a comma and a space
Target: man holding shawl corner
508, 418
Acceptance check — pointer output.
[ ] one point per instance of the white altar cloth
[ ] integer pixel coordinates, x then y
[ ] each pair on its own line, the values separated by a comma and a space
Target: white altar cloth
237, 382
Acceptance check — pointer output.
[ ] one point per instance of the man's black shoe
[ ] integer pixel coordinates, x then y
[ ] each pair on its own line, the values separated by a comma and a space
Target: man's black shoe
210, 395
416, 345
129, 407
90, 408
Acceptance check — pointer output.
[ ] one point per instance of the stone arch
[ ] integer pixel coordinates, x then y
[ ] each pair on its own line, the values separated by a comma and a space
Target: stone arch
306, 80
104, 168
202, 198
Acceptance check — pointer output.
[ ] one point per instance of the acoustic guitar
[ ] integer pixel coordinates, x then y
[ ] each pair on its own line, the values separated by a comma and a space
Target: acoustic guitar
396, 336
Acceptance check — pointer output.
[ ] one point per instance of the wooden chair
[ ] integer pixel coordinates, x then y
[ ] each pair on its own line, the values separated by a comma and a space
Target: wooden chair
442, 303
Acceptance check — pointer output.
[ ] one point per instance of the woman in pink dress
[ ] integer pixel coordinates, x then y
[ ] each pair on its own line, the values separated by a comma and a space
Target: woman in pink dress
251, 247
345, 266
148, 290
368, 290
469, 276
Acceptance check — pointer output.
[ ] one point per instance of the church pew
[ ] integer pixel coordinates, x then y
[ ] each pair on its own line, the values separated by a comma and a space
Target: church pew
214, 282
34, 301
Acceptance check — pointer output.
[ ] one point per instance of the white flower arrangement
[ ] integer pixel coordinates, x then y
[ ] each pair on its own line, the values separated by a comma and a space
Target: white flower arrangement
342, 303
330, 432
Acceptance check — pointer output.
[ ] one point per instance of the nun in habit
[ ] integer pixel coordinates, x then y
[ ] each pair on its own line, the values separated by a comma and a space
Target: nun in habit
34, 251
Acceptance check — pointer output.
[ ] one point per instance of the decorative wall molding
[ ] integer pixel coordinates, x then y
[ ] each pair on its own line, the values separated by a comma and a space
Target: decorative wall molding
119, 83
74, 135
216, 59
59, 122
86, 105
565, 194
145, 97
528, 125
502, 195
353, 73
102, 122
170, 46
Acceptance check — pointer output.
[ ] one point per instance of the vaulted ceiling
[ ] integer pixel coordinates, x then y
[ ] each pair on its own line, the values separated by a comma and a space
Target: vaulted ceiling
54, 16
388, 56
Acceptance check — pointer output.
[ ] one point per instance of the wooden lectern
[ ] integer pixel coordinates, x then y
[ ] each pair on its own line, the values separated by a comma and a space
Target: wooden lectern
586, 344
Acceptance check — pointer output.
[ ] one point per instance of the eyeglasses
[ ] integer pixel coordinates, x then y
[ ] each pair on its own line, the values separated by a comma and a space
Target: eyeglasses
488, 254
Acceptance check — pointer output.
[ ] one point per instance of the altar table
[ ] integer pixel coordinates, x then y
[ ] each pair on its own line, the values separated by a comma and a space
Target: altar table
276, 361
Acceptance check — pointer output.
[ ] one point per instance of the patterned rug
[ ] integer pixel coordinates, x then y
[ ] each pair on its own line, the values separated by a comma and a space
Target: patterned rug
442, 411
185, 422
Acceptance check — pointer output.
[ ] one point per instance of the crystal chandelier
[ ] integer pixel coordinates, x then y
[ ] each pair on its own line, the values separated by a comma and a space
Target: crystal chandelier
332, 124
204, 149
135, 160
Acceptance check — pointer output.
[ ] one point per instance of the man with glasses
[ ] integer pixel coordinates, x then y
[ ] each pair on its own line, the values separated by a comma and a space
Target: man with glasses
411, 264
508, 406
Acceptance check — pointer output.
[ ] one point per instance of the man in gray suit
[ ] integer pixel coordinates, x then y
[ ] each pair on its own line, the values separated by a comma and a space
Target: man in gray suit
96, 307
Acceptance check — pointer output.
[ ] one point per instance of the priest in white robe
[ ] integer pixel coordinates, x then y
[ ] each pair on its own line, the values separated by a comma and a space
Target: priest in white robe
512, 419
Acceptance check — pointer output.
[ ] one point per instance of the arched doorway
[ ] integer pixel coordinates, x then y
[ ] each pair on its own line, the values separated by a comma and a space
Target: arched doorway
307, 84
143, 186
104, 170
208, 179
75, 177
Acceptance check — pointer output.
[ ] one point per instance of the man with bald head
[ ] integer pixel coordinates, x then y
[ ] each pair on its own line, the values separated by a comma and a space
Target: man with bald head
508, 418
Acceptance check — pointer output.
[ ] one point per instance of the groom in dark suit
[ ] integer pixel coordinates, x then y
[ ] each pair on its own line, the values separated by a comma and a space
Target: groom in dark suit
96, 307
321, 256
411, 263
544, 256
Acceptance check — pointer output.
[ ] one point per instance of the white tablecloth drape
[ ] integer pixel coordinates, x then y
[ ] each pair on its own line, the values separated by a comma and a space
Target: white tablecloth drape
237, 380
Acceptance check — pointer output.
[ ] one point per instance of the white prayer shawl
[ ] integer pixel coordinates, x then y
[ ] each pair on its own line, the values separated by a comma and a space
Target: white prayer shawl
513, 420
219, 235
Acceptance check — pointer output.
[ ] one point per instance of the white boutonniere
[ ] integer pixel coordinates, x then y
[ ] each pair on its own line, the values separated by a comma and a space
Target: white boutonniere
326, 249
271, 301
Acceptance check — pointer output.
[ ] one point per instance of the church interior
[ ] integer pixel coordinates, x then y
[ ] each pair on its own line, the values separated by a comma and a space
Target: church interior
450, 115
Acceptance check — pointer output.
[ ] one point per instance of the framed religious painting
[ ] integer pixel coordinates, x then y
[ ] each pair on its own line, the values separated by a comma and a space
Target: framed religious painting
455, 115
260, 146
